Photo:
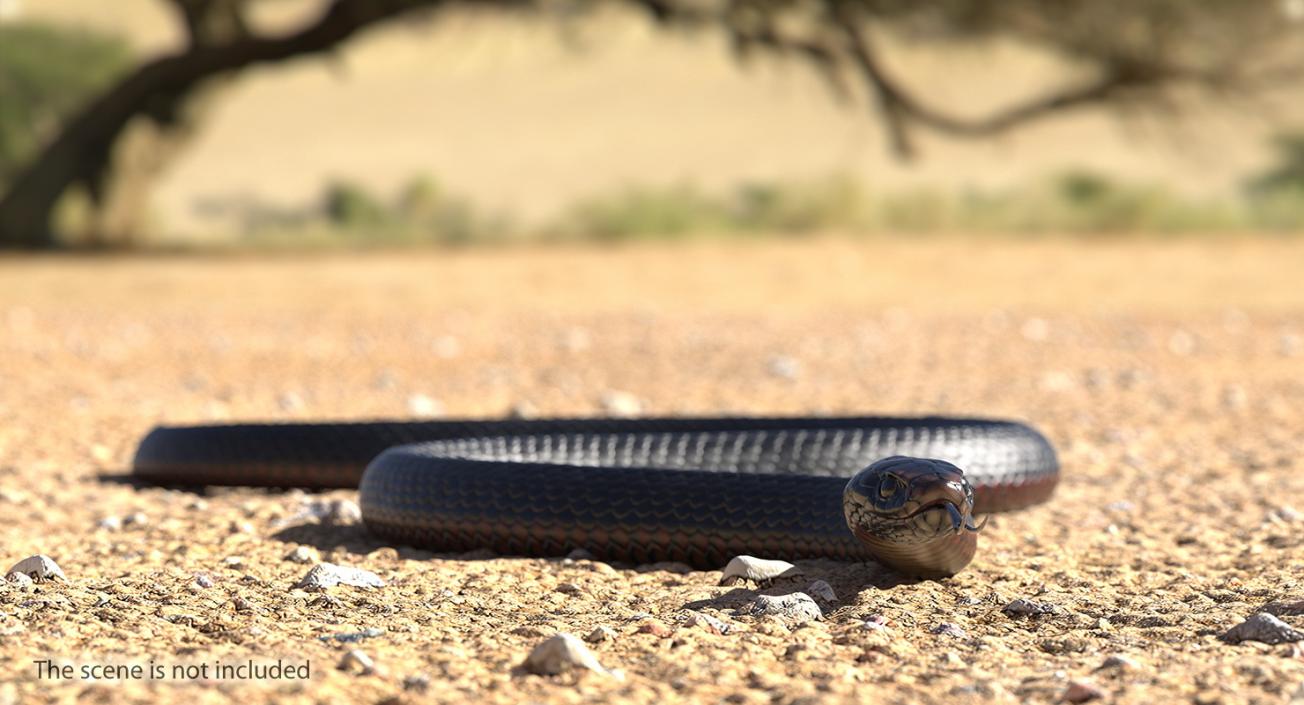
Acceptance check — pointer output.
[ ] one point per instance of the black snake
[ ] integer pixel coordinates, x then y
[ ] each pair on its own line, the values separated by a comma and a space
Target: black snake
696, 490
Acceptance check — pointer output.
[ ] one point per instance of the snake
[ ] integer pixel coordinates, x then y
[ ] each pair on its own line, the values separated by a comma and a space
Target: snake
901, 491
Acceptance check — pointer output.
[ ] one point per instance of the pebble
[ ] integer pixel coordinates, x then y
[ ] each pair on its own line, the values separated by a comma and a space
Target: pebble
1027, 608
949, 629
109, 524
784, 367
601, 634
328, 575
580, 554
1082, 691
290, 402
39, 568
424, 407
331, 512
203, 581
19, 580
621, 404
1118, 662
797, 606
757, 570
656, 629
357, 662
416, 683
1262, 627
707, 622
1285, 608
135, 519
822, 591
352, 637
303, 554
877, 623
561, 653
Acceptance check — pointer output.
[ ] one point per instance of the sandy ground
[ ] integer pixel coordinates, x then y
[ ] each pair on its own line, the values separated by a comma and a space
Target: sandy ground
1168, 376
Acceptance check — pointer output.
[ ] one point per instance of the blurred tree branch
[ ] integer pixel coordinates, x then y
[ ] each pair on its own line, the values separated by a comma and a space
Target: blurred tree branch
1128, 52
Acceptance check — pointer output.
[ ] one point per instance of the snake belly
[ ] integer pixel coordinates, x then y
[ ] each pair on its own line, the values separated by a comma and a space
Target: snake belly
694, 490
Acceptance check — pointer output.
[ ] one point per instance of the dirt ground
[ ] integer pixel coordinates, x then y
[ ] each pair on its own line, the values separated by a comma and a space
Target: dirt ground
1168, 376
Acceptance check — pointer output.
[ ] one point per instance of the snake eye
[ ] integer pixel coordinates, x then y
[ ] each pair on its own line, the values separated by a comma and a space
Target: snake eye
889, 486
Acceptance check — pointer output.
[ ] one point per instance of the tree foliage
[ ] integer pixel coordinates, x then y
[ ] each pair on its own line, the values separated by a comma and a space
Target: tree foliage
1126, 53
45, 72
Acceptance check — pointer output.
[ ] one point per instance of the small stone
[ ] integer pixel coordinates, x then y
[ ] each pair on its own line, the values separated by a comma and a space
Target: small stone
135, 519
876, 623
20, 580
757, 570
570, 589
242, 605
1286, 514
356, 661
797, 606
656, 629
330, 512
1262, 627
621, 404
353, 637
523, 410
328, 575
424, 407
303, 554
39, 568
601, 634
233, 561
562, 653
1082, 691
202, 580
1118, 662
784, 367
822, 591
580, 554
290, 402
707, 622
1285, 608
1027, 608
109, 524
416, 683
948, 629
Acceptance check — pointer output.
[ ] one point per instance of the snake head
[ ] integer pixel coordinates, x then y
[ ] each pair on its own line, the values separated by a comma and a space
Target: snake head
915, 515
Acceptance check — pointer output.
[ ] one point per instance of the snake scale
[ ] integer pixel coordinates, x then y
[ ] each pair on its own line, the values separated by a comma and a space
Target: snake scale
694, 490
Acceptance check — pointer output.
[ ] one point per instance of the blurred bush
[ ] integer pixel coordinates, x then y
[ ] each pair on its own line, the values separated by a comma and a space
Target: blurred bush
45, 73
640, 212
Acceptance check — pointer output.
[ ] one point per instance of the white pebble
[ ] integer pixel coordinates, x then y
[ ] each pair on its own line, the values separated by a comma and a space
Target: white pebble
821, 590
621, 404
303, 554
357, 661
797, 606
756, 570
39, 568
424, 407
561, 653
328, 575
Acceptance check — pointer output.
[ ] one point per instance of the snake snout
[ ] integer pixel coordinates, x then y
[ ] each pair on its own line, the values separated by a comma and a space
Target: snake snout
913, 514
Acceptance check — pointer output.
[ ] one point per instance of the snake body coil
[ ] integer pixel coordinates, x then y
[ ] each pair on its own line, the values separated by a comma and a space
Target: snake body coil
696, 490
